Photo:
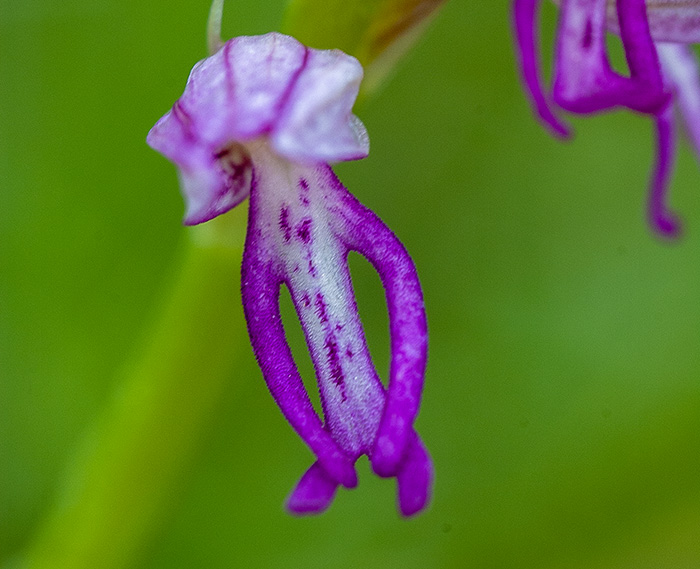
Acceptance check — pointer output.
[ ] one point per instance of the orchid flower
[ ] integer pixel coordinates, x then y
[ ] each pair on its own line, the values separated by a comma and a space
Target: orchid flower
262, 117
663, 73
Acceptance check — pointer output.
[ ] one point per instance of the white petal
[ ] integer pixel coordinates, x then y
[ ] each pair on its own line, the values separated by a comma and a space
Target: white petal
316, 123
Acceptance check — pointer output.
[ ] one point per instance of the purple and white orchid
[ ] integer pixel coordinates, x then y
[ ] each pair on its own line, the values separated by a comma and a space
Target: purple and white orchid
663, 73
263, 117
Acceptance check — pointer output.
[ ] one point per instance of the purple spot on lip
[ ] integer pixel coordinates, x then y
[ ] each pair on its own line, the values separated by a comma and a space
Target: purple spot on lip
284, 223
304, 231
348, 353
312, 269
321, 308
304, 195
334, 364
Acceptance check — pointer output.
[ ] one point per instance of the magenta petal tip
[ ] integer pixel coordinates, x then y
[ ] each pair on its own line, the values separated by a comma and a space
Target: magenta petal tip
415, 479
313, 494
385, 457
667, 226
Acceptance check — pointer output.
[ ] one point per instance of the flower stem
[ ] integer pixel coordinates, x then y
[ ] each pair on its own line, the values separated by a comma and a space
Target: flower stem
129, 462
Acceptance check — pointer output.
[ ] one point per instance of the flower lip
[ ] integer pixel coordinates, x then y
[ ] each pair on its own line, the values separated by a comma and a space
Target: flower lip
303, 223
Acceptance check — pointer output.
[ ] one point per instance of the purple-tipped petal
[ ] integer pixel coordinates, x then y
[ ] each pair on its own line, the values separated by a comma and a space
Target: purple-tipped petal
313, 494
664, 221
414, 478
316, 124
525, 23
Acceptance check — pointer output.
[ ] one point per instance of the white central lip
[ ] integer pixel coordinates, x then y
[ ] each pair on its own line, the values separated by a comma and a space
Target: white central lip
297, 217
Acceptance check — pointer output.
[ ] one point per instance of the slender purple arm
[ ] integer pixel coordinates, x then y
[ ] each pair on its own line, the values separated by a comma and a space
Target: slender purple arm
260, 291
639, 47
661, 218
366, 233
525, 14
642, 59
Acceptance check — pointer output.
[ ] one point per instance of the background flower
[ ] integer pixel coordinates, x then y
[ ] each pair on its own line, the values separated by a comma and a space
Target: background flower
563, 407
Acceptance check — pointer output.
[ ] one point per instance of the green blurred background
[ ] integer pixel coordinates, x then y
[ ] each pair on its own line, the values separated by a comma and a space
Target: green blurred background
562, 400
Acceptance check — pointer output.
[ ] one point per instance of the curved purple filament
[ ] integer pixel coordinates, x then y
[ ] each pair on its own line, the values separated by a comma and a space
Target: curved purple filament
584, 82
525, 24
368, 235
661, 218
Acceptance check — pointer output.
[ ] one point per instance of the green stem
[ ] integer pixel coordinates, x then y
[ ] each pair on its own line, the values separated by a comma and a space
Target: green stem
128, 464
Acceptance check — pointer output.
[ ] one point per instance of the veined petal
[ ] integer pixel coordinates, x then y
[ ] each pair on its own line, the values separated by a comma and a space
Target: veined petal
269, 85
236, 93
316, 124
212, 180
205, 195
216, 183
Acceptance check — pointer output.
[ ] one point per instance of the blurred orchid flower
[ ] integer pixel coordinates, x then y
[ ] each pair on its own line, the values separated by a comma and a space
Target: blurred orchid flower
663, 73
263, 117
